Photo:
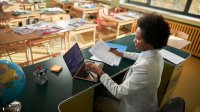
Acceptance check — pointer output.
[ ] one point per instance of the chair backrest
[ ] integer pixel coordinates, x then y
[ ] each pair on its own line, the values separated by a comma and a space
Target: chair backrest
13, 23
102, 12
174, 105
53, 3
101, 22
118, 9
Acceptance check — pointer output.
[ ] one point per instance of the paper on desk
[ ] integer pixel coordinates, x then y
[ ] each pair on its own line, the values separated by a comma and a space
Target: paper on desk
121, 17
101, 51
171, 56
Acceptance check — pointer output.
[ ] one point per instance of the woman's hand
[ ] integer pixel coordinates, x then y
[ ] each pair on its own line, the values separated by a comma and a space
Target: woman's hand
94, 68
114, 50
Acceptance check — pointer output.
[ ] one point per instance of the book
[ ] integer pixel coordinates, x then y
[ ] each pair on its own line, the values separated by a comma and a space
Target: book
101, 52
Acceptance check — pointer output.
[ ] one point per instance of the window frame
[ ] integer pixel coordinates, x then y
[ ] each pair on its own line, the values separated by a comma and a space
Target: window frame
185, 12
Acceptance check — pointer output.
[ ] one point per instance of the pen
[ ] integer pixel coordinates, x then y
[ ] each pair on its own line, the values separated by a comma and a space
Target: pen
90, 75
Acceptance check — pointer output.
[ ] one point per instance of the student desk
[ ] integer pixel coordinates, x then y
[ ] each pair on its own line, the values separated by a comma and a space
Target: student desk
68, 94
120, 23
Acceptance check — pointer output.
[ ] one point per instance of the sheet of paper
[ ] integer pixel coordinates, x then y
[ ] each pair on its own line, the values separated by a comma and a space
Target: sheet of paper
121, 48
101, 51
171, 56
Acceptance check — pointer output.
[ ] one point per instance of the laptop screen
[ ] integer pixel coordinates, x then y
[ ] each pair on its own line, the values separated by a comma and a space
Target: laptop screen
73, 58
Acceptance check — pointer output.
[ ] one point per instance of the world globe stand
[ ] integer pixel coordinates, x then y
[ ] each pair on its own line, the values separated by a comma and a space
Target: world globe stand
15, 106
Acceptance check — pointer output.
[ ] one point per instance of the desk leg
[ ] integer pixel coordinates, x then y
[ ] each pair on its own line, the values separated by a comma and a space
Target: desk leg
80, 103
69, 40
94, 36
65, 43
76, 37
118, 27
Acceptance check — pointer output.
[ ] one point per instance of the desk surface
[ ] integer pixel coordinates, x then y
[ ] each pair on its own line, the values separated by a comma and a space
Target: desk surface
5, 16
9, 36
114, 19
62, 86
177, 42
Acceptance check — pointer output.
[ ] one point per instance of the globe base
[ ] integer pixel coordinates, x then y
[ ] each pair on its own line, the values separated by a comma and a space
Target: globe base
15, 106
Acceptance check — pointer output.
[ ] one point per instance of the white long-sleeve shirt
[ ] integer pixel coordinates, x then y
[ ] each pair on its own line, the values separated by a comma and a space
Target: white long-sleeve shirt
138, 92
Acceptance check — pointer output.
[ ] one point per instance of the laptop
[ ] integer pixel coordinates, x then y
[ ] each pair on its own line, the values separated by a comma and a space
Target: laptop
76, 64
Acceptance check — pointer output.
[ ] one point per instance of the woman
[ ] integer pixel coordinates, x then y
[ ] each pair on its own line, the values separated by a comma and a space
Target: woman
138, 91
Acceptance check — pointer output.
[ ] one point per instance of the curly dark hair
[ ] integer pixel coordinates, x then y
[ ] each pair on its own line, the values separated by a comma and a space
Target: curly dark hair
155, 30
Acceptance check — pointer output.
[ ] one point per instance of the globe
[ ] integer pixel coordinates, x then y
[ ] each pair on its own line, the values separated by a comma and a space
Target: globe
12, 81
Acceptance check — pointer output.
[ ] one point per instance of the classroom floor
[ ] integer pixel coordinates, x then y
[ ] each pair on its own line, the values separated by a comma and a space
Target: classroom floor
187, 86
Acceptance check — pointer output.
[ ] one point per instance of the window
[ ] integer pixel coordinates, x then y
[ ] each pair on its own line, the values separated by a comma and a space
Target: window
195, 7
183, 7
178, 5
142, 1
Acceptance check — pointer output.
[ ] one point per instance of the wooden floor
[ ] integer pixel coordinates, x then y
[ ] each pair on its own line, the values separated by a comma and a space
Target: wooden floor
188, 85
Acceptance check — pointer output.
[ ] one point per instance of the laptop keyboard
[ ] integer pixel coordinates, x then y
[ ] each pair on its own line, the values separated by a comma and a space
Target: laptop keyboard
83, 74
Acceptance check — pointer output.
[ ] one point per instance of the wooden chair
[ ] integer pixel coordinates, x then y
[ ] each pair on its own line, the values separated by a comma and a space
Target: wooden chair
53, 3
45, 40
74, 12
13, 23
118, 9
103, 23
67, 7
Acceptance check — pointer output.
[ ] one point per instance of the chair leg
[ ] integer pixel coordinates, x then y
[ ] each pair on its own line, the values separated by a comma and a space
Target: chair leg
8, 55
48, 48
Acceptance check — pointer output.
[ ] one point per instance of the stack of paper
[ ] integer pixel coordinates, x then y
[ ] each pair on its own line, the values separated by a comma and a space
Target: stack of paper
171, 56
23, 30
101, 52
120, 17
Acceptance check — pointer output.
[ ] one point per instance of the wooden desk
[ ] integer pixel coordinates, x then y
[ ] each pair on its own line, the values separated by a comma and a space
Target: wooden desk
9, 7
5, 17
85, 27
177, 42
8, 36
87, 10
119, 22
9, 15
88, 27
39, 5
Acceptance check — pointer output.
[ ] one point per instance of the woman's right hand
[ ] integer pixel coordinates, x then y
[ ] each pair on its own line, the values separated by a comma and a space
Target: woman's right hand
116, 52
